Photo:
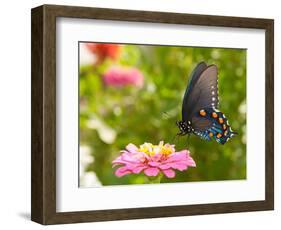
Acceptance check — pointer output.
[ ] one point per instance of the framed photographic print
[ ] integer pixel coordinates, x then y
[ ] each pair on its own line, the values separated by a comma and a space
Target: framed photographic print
140, 114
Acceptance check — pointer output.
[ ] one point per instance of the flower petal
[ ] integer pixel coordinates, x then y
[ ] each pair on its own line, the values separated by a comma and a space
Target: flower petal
178, 156
151, 171
132, 158
138, 169
191, 162
122, 171
132, 148
169, 173
153, 164
156, 157
180, 166
161, 143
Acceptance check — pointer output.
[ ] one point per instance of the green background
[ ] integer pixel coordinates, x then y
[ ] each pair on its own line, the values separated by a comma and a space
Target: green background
148, 114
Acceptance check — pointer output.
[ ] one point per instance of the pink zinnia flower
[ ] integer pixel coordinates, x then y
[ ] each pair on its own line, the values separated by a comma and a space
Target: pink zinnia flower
122, 76
152, 159
103, 51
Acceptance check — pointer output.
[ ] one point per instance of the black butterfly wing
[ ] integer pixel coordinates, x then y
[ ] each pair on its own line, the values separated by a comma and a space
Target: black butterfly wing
195, 75
202, 91
200, 123
200, 105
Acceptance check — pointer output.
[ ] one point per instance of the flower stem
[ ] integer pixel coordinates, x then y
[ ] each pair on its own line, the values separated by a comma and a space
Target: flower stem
155, 179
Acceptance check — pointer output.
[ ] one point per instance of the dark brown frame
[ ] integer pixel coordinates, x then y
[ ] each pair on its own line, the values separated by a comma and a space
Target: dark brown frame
43, 188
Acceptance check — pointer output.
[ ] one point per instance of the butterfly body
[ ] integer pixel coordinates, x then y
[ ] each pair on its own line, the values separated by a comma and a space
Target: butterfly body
200, 114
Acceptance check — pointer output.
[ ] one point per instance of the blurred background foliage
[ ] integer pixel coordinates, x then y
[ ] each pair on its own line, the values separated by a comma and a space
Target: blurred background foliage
113, 115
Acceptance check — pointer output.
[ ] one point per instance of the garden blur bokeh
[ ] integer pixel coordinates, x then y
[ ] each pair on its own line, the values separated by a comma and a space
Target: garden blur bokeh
133, 94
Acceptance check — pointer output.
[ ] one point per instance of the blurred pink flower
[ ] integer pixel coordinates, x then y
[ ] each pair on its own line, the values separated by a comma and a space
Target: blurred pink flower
104, 50
152, 159
122, 76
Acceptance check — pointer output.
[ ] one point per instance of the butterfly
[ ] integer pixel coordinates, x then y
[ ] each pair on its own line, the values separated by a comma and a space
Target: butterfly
200, 114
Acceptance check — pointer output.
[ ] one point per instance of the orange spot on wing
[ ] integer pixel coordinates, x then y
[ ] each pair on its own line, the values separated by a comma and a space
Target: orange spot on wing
211, 134
219, 135
224, 127
225, 132
220, 120
202, 112
214, 115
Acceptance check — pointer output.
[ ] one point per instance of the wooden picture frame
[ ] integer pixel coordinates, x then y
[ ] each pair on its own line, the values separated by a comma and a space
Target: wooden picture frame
43, 189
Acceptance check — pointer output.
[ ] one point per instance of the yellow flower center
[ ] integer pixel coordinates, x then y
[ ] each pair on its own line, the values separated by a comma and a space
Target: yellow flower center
147, 148
166, 150
151, 149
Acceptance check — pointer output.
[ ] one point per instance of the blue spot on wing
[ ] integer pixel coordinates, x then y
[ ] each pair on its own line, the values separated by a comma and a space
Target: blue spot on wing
203, 135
